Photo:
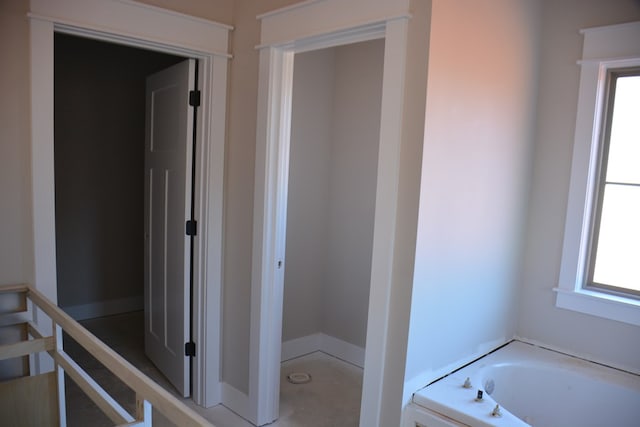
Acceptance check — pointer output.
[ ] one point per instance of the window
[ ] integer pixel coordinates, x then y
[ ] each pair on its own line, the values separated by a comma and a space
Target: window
600, 267
615, 241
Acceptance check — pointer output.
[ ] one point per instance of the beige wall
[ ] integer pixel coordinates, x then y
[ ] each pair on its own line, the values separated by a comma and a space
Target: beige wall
215, 10
16, 254
239, 180
561, 47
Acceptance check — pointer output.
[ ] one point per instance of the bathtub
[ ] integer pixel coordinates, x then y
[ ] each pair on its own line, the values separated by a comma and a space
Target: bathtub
532, 386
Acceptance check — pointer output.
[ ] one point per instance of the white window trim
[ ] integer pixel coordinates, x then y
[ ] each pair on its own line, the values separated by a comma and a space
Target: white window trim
605, 48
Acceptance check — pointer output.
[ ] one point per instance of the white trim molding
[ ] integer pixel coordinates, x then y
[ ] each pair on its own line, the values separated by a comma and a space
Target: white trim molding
234, 399
130, 21
147, 27
404, 25
604, 48
311, 19
325, 343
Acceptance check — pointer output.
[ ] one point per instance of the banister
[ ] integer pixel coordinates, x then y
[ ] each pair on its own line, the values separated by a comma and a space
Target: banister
165, 402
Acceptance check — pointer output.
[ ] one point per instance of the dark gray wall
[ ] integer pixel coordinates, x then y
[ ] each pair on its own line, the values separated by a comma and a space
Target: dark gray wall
99, 168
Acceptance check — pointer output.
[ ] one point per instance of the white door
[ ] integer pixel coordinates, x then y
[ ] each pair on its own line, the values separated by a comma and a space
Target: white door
168, 163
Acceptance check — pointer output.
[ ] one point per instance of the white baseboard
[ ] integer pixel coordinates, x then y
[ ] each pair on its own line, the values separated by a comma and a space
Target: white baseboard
235, 400
104, 308
342, 350
327, 344
300, 346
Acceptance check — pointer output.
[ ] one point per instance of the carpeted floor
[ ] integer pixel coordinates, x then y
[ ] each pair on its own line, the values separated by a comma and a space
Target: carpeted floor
331, 399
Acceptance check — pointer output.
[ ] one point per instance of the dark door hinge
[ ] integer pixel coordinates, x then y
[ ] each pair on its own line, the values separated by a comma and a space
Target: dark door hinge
190, 349
194, 98
192, 228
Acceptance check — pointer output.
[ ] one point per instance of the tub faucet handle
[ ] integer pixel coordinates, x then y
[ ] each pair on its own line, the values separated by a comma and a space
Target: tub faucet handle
467, 383
496, 411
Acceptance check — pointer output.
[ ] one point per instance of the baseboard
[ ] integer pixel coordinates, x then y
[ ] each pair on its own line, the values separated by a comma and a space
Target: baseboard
342, 350
104, 308
300, 346
235, 400
327, 344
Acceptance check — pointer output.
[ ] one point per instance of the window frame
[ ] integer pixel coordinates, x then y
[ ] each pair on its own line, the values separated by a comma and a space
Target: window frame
604, 141
605, 49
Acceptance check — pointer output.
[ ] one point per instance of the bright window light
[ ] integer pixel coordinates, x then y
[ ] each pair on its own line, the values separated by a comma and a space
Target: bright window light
616, 245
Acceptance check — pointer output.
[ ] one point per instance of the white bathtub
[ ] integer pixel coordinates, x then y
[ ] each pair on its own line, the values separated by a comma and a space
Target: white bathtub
533, 386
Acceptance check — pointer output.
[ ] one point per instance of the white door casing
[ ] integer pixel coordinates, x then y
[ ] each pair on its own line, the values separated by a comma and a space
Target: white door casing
168, 167
310, 25
143, 26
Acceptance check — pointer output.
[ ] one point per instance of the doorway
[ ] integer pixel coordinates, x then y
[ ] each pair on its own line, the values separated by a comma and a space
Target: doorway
143, 26
99, 154
335, 128
405, 36
333, 158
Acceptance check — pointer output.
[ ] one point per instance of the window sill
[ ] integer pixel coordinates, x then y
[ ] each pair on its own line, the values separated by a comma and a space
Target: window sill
611, 307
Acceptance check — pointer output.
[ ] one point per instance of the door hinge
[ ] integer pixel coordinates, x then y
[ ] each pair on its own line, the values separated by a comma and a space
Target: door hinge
194, 98
190, 349
192, 227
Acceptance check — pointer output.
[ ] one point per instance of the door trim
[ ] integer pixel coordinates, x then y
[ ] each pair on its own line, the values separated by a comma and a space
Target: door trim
138, 25
404, 26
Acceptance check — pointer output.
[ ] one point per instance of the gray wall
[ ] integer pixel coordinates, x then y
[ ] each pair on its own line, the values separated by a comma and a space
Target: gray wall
99, 168
16, 247
354, 167
561, 46
332, 183
308, 200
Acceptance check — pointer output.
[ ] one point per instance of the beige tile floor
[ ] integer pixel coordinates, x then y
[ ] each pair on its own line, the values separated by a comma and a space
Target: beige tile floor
331, 399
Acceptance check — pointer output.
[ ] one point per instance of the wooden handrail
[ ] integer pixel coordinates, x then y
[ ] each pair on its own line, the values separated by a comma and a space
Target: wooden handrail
25, 348
143, 386
12, 289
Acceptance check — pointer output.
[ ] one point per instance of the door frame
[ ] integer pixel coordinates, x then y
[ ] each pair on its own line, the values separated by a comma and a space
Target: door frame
404, 25
142, 26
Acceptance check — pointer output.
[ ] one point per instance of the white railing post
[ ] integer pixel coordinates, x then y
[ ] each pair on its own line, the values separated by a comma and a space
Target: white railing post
33, 364
62, 407
143, 411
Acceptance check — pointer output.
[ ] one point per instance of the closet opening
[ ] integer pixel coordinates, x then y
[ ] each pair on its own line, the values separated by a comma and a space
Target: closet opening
332, 179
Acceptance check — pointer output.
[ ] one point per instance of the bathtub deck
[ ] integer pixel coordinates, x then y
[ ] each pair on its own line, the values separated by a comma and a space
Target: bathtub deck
565, 379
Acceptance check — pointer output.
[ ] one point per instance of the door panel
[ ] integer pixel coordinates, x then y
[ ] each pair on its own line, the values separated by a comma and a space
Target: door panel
168, 163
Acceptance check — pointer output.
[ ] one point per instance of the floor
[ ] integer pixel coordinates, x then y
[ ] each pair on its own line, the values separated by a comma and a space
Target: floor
332, 398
